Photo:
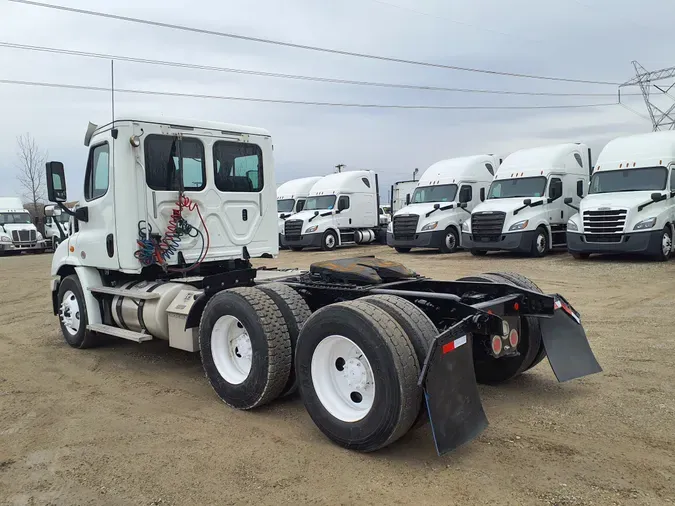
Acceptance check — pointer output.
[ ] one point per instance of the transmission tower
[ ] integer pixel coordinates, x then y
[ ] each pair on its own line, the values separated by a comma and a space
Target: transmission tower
655, 96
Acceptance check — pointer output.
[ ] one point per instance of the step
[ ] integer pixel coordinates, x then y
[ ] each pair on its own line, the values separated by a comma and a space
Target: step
136, 337
134, 294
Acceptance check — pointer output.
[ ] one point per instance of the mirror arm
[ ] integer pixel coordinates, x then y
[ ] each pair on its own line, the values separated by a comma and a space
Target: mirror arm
573, 207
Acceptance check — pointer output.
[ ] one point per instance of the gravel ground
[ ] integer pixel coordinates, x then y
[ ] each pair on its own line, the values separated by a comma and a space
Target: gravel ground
127, 424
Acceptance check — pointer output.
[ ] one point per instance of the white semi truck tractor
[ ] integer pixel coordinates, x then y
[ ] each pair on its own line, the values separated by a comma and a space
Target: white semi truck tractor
342, 208
530, 201
443, 199
630, 206
161, 247
17, 231
291, 197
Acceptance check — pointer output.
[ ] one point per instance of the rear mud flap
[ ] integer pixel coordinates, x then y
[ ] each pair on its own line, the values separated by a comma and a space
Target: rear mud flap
566, 344
451, 393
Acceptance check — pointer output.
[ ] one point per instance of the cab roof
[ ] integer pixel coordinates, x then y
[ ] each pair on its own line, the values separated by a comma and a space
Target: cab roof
642, 150
453, 170
353, 181
191, 123
295, 187
545, 159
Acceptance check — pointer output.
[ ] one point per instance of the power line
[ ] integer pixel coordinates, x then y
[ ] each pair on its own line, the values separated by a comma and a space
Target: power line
297, 102
302, 46
148, 61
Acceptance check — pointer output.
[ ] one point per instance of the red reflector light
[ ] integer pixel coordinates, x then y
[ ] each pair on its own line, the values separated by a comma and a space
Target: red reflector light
513, 338
496, 345
516, 306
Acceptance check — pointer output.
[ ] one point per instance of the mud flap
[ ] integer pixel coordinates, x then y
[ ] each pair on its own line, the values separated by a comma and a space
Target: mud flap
567, 347
451, 392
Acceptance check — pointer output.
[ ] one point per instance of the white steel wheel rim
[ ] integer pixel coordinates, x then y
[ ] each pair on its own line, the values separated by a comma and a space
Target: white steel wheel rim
541, 243
666, 244
330, 241
450, 240
231, 349
343, 378
69, 313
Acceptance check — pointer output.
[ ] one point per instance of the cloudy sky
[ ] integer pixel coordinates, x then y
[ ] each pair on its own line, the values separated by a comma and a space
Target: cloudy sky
579, 39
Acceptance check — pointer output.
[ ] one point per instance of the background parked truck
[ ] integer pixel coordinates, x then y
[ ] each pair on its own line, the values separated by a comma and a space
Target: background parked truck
529, 202
291, 197
630, 207
443, 199
17, 231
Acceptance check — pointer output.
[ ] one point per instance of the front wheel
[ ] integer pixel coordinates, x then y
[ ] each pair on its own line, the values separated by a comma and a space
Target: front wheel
329, 241
540, 243
450, 241
666, 245
73, 314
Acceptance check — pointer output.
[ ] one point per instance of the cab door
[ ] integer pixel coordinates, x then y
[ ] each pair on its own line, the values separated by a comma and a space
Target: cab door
95, 242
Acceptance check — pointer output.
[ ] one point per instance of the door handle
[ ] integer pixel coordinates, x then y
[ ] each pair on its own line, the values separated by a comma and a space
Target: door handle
244, 214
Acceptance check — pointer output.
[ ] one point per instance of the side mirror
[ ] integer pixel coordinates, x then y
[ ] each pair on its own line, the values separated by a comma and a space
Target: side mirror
482, 194
568, 200
462, 205
527, 202
36, 221
437, 206
56, 182
407, 199
658, 197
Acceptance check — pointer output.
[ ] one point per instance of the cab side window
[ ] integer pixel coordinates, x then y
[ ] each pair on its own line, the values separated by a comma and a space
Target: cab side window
466, 193
343, 203
299, 206
672, 180
96, 178
555, 189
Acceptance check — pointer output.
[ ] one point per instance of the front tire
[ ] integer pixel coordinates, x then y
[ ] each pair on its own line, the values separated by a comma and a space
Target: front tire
329, 241
450, 241
666, 245
358, 373
540, 243
245, 347
73, 316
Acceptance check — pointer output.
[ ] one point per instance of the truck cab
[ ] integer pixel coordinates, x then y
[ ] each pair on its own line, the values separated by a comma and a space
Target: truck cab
341, 209
57, 226
630, 206
17, 231
291, 197
443, 199
530, 201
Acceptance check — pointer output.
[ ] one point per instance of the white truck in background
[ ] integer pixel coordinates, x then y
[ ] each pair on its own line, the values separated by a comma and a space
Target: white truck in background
530, 201
400, 194
443, 199
291, 197
17, 230
630, 206
341, 208
57, 226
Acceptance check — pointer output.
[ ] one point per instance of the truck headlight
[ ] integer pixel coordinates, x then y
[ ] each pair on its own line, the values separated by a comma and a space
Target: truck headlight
311, 229
430, 226
571, 226
390, 226
465, 226
5, 238
519, 226
644, 224
39, 236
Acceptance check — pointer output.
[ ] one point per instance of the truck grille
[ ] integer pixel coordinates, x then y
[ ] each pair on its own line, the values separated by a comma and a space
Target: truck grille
605, 221
24, 236
596, 238
487, 224
293, 228
405, 226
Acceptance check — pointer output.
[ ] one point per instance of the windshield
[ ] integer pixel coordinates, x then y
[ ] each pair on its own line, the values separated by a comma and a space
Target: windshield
323, 202
6, 218
439, 193
521, 187
630, 180
285, 206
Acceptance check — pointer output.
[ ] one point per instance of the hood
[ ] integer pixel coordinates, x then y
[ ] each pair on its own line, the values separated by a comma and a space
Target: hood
421, 209
305, 215
503, 205
19, 226
622, 200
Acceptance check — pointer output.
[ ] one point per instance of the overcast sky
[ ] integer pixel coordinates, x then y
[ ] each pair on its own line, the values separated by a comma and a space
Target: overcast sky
583, 39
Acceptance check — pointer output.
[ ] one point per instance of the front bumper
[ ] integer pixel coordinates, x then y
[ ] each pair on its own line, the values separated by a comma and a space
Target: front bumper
7, 247
304, 241
645, 243
433, 239
520, 242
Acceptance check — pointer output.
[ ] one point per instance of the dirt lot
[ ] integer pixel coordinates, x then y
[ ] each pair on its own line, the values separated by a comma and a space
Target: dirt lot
131, 424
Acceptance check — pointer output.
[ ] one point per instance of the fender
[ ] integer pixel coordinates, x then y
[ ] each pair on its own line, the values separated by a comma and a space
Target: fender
90, 277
